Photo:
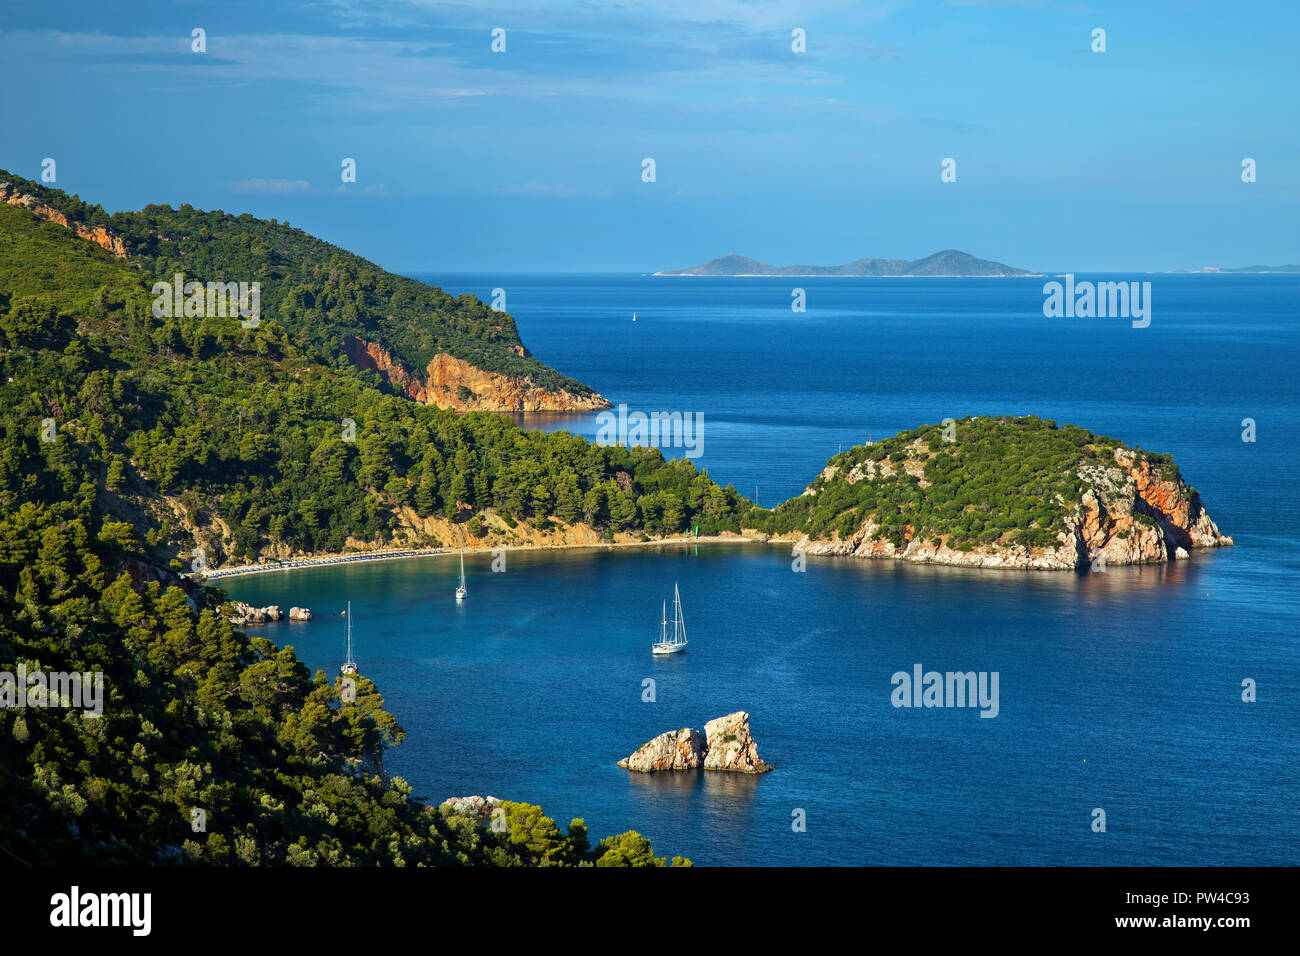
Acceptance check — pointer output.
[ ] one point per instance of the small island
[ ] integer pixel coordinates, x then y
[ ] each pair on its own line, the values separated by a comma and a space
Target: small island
726, 744
950, 263
1000, 492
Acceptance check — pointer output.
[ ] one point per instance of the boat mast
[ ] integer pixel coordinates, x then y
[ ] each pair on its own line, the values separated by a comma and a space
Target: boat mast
349, 662
678, 620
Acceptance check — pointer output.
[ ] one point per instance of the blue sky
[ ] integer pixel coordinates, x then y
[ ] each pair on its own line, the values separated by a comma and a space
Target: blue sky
530, 160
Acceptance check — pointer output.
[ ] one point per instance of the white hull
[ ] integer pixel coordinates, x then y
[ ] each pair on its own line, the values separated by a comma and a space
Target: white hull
670, 648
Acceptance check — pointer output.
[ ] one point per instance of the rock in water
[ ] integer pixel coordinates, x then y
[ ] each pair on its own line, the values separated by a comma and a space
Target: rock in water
675, 750
245, 614
299, 614
730, 746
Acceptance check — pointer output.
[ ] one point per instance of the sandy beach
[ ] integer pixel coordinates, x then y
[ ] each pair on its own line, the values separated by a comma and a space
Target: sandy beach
321, 560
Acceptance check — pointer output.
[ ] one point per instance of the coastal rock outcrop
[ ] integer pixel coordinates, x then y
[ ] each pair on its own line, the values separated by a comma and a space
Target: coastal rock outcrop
453, 383
245, 614
726, 744
675, 750
299, 614
476, 807
731, 746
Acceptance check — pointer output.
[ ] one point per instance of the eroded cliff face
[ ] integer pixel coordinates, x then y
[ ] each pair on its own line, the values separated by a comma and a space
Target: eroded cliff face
453, 383
1127, 514
96, 234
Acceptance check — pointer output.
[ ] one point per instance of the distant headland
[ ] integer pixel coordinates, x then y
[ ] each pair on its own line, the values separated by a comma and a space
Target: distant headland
949, 263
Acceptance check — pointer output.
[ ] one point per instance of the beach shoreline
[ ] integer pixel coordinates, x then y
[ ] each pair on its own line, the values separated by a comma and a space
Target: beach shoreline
351, 557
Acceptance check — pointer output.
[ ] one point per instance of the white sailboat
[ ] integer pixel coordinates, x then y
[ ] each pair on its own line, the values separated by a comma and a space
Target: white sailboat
349, 666
460, 591
678, 642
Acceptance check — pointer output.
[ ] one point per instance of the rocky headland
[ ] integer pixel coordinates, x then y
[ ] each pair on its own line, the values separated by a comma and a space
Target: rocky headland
453, 383
1010, 493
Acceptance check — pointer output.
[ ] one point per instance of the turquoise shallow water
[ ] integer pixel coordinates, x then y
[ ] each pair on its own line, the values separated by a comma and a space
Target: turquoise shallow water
1118, 690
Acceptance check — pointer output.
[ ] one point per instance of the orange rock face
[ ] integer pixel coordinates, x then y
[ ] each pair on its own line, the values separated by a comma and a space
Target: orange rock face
1165, 497
96, 234
447, 375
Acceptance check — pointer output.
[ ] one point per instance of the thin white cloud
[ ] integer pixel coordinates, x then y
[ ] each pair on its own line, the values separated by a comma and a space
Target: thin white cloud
767, 14
538, 190
277, 186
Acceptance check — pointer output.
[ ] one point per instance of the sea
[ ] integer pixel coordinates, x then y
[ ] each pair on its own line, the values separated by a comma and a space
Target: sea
1145, 715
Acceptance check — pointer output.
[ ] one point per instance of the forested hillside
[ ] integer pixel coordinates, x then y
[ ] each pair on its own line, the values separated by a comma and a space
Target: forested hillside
321, 294
202, 432
112, 420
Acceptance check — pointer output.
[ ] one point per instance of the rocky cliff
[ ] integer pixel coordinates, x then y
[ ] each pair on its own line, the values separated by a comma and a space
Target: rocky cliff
99, 235
453, 383
1112, 505
726, 744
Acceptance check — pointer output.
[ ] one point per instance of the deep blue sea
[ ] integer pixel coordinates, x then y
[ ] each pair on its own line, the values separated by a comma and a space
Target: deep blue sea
1119, 690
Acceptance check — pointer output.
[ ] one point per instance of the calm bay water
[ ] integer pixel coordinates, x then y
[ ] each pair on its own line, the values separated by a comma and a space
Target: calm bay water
1118, 690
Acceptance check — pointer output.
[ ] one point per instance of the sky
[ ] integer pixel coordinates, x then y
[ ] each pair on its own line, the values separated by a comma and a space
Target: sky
531, 159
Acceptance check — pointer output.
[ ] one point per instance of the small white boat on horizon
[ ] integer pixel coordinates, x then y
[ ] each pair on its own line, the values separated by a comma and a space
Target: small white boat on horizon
460, 591
678, 642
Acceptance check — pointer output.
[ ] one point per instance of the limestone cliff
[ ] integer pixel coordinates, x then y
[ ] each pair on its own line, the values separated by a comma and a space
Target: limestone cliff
100, 236
453, 383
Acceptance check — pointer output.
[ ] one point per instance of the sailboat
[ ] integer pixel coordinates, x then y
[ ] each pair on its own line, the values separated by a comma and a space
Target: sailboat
633, 316
460, 591
349, 666
678, 642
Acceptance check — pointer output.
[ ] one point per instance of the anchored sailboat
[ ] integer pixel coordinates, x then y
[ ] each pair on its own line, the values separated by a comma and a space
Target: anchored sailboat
678, 642
460, 591
349, 666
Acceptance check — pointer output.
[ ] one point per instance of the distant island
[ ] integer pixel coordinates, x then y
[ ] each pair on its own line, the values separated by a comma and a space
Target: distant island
949, 263
1244, 270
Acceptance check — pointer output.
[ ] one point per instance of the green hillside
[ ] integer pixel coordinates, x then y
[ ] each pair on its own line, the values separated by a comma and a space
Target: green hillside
104, 411
319, 293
